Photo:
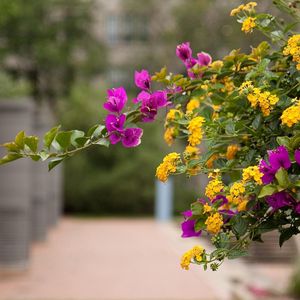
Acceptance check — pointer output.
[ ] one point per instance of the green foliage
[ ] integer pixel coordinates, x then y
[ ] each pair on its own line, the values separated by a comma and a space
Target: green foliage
42, 41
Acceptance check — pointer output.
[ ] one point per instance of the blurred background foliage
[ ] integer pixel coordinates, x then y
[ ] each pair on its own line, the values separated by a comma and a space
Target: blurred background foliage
68, 53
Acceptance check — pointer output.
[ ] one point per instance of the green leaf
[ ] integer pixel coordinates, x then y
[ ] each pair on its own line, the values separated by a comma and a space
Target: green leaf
81, 141
103, 142
283, 140
95, 131
76, 134
200, 224
230, 127
197, 208
236, 253
12, 147
239, 225
54, 162
32, 142
283, 178
207, 113
19, 140
10, 157
63, 138
257, 121
44, 155
268, 190
286, 234
50, 136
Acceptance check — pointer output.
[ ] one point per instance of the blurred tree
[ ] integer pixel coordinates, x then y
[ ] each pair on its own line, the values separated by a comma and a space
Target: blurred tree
49, 43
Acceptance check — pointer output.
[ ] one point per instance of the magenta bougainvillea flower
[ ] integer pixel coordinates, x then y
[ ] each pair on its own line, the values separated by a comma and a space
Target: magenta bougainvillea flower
268, 172
279, 200
204, 59
151, 103
142, 79
132, 137
184, 51
116, 100
297, 156
188, 226
278, 158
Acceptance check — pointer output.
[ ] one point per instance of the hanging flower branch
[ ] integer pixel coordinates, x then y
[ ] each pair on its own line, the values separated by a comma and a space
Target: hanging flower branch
244, 108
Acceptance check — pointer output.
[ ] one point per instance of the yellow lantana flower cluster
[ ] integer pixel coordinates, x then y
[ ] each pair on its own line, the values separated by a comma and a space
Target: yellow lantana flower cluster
291, 115
231, 151
214, 223
213, 188
196, 254
169, 135
168, 166
246, 87
172, 114
236, 196
248, 24
293, 48
243, 7
195, 131
192, 104
265, 100
254, 173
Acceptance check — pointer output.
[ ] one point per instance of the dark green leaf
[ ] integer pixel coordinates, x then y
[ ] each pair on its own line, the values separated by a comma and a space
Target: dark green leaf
286, 234
197, 208
233, 254
76, 134
239, 225
54, 162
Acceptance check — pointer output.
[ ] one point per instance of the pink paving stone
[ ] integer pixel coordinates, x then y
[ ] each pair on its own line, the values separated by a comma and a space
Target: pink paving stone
111, 259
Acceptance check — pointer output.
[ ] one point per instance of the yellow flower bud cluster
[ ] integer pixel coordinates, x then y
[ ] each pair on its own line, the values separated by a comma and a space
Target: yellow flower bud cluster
196, 254
195, 131
291, 115
192, 105
169, 135
213, 188
172, 114
231, 151
248, 24
214, 223
254, 173
265, 100
243, 7
236, 196
293, 48
168, 166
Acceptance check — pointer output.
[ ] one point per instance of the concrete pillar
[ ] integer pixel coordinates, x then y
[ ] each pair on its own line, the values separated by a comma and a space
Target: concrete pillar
164, 200
15, 190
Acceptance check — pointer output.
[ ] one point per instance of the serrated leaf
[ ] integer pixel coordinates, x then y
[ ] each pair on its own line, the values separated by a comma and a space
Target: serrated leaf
268, 190
233, 254
239, 225
50, 136
19, 140
31, 142
10, 157
282, 177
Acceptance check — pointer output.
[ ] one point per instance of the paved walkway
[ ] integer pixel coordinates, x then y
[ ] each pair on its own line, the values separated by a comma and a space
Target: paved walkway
129, 259
111, 259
